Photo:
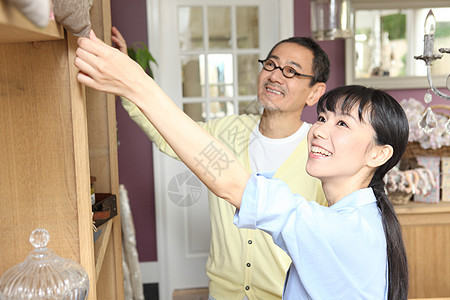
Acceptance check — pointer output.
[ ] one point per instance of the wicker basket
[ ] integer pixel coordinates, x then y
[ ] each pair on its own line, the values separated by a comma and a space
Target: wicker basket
399, 198
414, 149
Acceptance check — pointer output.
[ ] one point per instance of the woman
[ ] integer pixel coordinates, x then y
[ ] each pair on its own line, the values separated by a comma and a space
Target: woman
360, 134
352, 249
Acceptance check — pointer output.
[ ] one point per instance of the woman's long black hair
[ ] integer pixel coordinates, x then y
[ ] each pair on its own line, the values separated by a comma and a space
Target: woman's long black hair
389, 121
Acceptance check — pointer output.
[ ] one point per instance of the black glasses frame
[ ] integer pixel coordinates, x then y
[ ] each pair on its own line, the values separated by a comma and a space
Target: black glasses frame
287, 68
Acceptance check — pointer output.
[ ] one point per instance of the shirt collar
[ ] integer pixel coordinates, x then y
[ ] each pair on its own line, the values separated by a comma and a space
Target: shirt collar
357, 198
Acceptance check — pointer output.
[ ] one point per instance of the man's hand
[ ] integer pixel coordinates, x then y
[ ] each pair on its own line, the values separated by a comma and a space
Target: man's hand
118, 39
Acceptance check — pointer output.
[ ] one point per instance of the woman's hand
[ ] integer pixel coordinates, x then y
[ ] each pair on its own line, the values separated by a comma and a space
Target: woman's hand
107, 69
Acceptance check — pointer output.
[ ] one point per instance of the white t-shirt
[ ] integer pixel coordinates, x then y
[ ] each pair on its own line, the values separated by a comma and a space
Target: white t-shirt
267, 155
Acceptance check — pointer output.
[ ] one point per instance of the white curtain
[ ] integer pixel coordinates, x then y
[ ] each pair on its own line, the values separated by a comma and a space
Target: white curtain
131, 272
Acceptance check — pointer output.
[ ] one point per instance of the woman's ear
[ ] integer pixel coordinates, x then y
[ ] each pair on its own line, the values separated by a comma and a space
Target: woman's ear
316, 92
380, 155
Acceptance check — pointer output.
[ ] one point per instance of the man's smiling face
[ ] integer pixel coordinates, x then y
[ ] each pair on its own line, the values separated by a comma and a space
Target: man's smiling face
278, 93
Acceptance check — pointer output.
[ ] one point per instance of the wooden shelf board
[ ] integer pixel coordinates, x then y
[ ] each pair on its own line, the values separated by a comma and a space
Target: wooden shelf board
16, 28
422, 208
101, 245
446, 298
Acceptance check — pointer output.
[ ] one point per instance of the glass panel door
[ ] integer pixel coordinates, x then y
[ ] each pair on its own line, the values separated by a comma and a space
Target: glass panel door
219, 49
207, 53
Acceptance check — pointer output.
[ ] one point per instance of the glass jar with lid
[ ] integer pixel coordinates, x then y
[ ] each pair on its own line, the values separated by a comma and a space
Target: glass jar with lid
44, 275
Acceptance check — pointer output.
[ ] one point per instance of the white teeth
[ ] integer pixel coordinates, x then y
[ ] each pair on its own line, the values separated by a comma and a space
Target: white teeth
318, 150
273, 91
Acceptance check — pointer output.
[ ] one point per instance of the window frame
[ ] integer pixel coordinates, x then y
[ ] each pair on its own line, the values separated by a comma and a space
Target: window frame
406, 82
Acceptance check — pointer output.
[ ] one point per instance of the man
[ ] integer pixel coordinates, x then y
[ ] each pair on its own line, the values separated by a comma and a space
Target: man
246, 264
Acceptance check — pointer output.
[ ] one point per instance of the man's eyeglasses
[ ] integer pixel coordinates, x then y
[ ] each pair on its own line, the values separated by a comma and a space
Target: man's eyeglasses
288, 72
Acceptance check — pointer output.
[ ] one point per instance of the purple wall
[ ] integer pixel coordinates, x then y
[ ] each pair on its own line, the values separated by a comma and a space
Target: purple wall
334, 49
135, 150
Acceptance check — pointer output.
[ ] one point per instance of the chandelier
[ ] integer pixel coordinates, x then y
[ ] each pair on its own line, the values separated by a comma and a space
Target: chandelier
428, 123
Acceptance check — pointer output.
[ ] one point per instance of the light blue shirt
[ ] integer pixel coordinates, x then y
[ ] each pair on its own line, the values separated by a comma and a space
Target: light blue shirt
337, 252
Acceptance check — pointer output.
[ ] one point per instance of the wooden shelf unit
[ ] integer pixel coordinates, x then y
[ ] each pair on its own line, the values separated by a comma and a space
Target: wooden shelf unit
426, 233
55, 134
15, 27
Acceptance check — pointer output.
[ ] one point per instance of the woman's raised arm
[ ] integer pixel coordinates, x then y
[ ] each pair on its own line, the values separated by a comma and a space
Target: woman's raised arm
107, 69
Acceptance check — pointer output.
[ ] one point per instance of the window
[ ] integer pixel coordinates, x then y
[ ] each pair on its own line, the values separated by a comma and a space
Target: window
219, 48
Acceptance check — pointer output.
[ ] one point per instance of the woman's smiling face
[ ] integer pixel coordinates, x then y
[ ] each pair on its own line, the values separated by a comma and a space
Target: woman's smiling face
339, 146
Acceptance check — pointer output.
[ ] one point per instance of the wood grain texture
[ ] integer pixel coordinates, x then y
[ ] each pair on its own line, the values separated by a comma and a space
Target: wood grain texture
426, 233
53, 134
103, 157
15, 27
37, 153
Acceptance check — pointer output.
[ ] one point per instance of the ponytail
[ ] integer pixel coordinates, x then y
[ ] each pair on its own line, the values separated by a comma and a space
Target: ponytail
396, 254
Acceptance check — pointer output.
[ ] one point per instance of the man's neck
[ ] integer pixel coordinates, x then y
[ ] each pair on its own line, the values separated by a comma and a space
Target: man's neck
277, 125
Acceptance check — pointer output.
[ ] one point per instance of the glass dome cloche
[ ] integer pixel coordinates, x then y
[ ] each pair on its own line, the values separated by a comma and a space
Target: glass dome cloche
44, 275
